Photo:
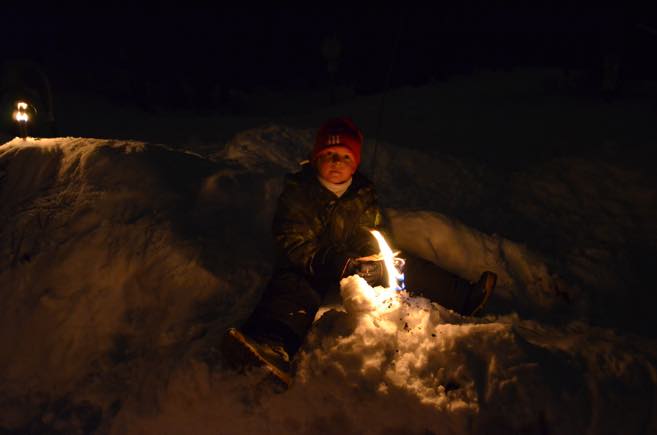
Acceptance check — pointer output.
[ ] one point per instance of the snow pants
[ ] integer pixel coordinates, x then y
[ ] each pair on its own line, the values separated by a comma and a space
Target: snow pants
289, 304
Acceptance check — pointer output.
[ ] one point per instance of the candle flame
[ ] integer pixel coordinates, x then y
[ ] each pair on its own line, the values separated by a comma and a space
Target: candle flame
395, 277
359, 296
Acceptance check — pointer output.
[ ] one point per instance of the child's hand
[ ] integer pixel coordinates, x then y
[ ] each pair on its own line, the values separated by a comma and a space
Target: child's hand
372, 271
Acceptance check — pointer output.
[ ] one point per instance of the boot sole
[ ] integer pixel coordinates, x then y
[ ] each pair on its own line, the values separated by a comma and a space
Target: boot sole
241, 354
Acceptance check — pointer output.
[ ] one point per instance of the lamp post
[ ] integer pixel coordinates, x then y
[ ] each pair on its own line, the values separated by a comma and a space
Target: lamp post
21, 116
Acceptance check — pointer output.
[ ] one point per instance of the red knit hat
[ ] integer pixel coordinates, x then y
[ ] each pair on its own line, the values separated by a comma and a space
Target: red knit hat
339, 132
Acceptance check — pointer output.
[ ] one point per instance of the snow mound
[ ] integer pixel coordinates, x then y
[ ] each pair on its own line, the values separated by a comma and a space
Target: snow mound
117, 256
123, 263
405, 364
271, 147
525, 280
392, 363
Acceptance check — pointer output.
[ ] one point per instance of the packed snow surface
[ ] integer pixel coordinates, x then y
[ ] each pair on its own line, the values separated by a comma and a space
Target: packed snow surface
123, 263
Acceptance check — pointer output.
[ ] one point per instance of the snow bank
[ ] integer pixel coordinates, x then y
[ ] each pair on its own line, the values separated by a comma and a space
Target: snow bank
123, 262
525, 281
115, 257
403, 365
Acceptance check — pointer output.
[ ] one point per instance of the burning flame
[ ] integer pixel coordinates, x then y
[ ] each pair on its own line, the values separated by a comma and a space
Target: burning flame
395, 277
20, 115
359, 296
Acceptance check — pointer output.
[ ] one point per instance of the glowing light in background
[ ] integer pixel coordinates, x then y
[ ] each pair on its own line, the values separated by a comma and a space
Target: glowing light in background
20, 114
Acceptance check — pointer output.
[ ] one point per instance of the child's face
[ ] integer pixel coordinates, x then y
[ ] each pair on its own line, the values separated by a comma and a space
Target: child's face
336, 164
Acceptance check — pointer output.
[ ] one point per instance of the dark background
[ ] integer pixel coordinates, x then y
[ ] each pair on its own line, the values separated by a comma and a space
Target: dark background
194, 58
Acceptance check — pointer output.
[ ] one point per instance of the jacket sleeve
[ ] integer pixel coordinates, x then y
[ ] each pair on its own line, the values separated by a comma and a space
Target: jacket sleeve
295, 230
370, 219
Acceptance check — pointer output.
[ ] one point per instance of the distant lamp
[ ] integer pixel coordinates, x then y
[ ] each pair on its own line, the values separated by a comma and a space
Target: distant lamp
21, 116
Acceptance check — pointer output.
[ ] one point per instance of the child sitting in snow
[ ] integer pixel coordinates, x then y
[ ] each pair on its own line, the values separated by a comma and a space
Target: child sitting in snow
322, 234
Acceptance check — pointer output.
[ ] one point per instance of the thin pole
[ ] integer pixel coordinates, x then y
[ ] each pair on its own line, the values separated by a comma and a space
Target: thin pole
22, 126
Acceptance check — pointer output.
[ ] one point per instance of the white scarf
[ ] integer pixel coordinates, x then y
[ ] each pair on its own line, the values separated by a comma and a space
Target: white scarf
338, 189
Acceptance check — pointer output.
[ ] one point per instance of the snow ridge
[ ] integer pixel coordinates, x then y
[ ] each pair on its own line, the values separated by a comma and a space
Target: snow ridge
123, 262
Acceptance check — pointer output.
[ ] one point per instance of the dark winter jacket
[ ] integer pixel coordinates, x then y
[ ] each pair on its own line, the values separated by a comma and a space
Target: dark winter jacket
316, 232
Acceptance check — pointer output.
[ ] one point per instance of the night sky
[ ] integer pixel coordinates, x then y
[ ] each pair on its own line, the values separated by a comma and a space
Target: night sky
120, 52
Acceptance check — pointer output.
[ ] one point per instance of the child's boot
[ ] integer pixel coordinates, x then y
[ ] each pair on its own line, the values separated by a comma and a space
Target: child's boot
243, 352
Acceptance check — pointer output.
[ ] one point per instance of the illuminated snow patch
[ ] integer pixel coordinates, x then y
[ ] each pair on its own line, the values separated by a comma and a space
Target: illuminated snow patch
359, 297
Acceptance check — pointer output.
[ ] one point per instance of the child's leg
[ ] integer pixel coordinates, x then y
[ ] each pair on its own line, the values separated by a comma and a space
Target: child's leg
286, 311
435, 283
